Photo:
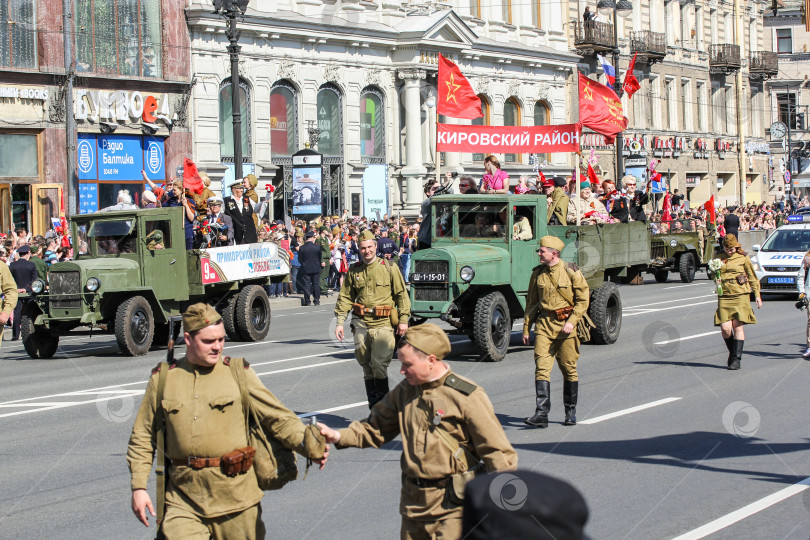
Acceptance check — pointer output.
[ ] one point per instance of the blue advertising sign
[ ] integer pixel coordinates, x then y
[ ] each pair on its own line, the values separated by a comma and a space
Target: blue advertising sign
307, 197
154, 162
375, 191
120, 157
87, 157
88, 198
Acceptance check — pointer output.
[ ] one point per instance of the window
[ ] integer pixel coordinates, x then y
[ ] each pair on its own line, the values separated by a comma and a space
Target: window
158, 234
654, 109
686, 105
482, 121
475, 8
119, 38
226, 121
477, 220
701, 106
329, 120
720, 116
699, 22
372, 125
670, 105
542, 117
283, 124
537, 18
18, 156
443, 224
784, 41
686, 27
511, 117
787, 108
506, 6
18, 34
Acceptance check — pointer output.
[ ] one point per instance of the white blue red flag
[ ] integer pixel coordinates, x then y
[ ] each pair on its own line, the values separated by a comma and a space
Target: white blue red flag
610, 73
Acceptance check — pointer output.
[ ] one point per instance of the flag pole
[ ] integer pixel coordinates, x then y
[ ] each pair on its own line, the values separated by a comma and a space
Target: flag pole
436, 141
576, 179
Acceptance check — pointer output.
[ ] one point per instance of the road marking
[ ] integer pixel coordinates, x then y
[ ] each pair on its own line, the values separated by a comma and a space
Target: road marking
688, 285
628, 411
745, 511
647, 311
299, 358
304, 367
333, 409
687, 338
670, 301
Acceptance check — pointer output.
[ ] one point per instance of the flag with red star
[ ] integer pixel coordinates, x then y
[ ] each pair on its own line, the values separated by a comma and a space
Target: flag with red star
457, 99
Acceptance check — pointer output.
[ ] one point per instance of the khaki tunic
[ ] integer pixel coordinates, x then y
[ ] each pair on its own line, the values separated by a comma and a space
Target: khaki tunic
8, 287
543, 298
203, 414
583, 207
522, 229
735, 302
376, 284
409, 411
559, 206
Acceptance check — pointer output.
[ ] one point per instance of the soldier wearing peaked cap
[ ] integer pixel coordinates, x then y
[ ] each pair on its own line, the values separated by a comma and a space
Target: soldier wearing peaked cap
558, 297
199, 403
374, 291
449, 435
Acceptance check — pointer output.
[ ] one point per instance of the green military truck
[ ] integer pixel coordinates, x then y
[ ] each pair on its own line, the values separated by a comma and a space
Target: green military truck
680, 246
132, 273
476, 274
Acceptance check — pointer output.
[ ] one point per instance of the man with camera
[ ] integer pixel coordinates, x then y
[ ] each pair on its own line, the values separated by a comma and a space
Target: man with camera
216, 215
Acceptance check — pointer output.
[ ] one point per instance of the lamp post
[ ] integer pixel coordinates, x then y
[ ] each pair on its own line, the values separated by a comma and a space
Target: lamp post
622, 9
231, 9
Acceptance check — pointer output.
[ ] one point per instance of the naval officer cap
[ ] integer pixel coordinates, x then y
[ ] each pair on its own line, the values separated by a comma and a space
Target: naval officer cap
552, 242
428, 338
199, 316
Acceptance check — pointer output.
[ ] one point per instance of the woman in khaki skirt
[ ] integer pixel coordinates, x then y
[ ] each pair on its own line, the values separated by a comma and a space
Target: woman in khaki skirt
737, 280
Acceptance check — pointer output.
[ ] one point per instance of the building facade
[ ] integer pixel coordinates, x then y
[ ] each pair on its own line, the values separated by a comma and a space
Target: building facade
359, 77
701, 111
70, 139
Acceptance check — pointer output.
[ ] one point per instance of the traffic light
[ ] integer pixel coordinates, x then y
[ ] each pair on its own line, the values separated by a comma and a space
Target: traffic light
800, 121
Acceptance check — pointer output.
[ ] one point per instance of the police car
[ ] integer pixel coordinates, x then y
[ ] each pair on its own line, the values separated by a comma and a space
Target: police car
777, 261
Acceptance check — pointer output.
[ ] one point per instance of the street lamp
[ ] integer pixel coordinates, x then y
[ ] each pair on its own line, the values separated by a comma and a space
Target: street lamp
231, 9
622, 8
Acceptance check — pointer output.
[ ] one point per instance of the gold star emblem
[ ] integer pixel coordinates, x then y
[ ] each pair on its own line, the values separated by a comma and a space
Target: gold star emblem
452, 87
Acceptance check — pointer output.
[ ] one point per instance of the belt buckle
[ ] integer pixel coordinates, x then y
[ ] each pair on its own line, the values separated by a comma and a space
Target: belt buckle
189, 459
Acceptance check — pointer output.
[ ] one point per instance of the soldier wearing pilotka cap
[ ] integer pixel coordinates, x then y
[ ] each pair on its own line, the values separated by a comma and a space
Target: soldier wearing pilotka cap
448, 428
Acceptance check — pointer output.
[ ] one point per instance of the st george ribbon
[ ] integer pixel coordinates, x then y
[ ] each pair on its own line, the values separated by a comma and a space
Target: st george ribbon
509, 139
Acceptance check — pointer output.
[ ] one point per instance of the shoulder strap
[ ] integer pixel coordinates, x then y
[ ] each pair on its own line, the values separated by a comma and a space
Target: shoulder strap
238, 372
160, 434
462, 386
570, 272
460, 453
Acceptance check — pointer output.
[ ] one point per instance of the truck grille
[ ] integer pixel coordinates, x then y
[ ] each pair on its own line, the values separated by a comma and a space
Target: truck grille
794, 269
430, 292
657, 249
65, 283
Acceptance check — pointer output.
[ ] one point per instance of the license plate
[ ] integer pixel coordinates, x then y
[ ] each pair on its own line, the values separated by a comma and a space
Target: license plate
424, 277
782, 280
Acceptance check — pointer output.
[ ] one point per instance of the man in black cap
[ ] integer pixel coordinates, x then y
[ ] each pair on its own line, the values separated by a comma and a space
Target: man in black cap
24, 273
520, 505
309, 255
386, 248
240, 209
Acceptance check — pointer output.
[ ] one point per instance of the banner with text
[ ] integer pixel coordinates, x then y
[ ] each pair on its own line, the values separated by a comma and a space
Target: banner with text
245, 261
509, 139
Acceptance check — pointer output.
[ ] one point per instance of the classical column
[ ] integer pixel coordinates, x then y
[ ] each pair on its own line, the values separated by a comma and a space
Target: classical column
414, 169
452, 160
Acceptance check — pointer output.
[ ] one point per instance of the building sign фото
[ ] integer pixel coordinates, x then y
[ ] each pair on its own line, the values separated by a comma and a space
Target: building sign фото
127, 107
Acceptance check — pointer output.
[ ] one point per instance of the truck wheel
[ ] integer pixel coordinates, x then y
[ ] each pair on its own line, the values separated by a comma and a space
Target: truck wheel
229, 318
493, 327
134, 326
661, 276
252, 313
686, 266
606, 313
38, 342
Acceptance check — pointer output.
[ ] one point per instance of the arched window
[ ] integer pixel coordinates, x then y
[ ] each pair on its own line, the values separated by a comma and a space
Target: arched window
226, 121
283, 120
482, 121
372, 124
511, 117
542, 117
330, 120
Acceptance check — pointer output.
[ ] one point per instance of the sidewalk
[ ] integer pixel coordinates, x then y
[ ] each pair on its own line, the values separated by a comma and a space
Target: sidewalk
294, 300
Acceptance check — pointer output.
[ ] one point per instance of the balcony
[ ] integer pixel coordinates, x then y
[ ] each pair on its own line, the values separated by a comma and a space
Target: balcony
651, 47
763, 65
724, 58
593, 37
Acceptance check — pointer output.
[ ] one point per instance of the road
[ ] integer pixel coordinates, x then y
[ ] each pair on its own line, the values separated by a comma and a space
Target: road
669, 443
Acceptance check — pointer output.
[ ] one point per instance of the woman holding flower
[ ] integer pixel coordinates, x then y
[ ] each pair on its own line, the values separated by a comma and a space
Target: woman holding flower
735, 280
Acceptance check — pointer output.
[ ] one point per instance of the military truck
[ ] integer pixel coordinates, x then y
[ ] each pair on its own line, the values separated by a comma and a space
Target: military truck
679, 246
132, 274
476, 274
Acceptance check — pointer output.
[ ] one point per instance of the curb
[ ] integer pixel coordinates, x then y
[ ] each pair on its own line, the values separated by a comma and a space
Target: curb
294, 301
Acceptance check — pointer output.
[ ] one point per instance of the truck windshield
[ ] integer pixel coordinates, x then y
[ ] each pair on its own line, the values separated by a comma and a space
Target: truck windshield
788, 240
114, 237
443, 216
82, 246
476, 220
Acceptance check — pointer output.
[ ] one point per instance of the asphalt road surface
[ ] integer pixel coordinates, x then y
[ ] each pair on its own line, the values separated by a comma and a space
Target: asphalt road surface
670, 444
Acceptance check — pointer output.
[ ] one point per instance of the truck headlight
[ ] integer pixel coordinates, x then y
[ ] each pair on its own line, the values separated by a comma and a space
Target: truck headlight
673, 243
466, 273
38, 286
93, 284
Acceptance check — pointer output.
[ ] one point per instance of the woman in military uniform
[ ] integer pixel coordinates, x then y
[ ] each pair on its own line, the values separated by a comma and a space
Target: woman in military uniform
737, 281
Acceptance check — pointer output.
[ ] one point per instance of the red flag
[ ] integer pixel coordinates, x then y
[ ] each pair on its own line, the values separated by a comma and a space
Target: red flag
592, 178
631, 85
457, 99
191, 178
709, 206
600, 109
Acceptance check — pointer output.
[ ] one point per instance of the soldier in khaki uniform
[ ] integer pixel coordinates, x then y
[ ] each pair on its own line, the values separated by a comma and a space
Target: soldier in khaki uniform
448, 427
8, 288
323, 241
369, 284
204, 420
738, 281
557, 203
558, 297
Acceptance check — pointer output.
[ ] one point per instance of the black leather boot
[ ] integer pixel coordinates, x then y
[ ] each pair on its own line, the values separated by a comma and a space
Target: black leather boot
370, 392
737, 350
540, 418
730, 346
728, 342
570, 395
380, 389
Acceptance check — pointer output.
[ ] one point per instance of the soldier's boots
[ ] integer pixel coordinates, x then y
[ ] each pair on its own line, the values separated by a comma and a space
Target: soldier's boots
370, 392
736, 354
543, 394
376, 390
570, 395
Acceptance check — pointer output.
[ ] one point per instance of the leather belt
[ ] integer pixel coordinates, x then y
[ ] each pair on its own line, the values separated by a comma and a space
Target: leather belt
196, 462
426, 483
